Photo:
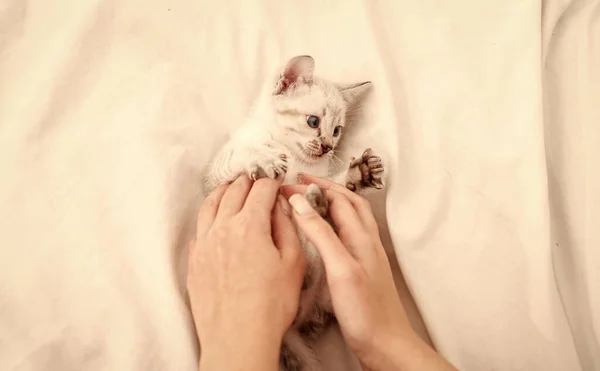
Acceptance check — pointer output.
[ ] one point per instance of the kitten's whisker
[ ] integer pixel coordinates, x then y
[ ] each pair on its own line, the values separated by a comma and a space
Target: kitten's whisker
343, 154
334, 157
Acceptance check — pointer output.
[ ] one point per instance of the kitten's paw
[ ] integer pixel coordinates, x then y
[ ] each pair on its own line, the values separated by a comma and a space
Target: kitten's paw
269, 162
365, 172
317, 199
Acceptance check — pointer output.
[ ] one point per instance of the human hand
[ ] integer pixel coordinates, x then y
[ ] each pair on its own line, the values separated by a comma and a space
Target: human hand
364, 297
245, 273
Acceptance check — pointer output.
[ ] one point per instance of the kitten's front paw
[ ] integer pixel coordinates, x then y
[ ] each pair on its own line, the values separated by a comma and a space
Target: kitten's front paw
269, 162
365, 172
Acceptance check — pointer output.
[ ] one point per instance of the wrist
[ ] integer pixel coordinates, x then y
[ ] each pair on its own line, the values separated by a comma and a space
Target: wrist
390, 351
240, 344
240, 353
404, 351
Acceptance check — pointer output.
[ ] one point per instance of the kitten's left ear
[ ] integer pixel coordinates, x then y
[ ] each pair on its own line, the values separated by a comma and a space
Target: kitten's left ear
354, 92
299, 70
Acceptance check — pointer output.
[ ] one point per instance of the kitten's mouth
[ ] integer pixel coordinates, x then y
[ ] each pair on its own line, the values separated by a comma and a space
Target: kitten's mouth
312, 154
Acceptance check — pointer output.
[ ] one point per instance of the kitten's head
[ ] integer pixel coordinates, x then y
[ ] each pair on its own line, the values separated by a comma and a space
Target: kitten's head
311, 111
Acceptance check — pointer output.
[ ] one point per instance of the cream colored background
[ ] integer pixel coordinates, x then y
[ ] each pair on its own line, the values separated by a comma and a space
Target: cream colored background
487, 113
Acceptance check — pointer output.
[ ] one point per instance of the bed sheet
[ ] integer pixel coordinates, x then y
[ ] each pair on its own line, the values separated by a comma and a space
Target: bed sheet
485, 112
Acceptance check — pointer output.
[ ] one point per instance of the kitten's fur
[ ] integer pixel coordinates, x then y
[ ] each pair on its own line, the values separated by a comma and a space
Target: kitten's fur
276, 140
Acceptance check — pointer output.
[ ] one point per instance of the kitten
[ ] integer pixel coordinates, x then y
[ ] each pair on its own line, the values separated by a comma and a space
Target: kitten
294, 128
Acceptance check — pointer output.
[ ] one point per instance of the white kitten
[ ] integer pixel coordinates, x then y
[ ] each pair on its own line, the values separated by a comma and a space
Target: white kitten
293, 129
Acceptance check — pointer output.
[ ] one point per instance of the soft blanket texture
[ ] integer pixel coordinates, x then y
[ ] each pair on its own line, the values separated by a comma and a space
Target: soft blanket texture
486, 112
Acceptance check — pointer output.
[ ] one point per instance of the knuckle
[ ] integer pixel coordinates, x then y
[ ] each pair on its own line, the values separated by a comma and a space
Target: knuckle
364, 239
254, 215
364, 203
319, 226
372, 226
219, 233
345, 234
358, 238
242, 181
263, 182
243, 222
351, 274
211, 201
248, 224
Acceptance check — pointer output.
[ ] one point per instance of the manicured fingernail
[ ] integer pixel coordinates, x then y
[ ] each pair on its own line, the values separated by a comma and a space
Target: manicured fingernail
285, 205
300, 205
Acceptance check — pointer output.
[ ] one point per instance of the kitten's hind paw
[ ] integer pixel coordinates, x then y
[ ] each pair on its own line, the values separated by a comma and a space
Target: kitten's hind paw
317, 199
365, 172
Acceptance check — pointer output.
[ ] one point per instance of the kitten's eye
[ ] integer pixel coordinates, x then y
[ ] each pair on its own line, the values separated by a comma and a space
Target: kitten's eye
313, 121
336, 131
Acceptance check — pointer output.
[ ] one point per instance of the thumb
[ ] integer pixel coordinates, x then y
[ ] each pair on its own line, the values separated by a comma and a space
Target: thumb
191, 248
334, 254
286, 238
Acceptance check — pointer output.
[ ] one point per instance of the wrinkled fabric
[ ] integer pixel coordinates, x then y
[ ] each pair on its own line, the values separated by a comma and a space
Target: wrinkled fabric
486, 114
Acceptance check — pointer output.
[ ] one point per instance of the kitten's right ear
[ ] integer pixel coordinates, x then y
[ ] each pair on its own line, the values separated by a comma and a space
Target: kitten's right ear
352, 93
299, 70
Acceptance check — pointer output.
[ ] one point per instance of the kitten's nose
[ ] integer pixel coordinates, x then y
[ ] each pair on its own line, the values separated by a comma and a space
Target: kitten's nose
325, 148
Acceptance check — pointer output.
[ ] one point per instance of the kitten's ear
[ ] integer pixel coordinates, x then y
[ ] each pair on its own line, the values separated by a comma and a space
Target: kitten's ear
354, 92
298, 70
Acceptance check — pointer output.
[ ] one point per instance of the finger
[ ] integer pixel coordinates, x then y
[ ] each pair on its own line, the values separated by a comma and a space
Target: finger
235, 196
289, 189
191, 248
348, 222
261, 198
324, 183
351, 229
321, 235
362, 205
285, 237
282, 223
209, 209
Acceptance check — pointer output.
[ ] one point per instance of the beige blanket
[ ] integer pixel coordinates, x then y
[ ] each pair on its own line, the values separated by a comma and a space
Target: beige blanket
487, 113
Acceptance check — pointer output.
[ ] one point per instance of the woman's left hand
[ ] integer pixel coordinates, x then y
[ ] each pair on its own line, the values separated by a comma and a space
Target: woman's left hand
245, 272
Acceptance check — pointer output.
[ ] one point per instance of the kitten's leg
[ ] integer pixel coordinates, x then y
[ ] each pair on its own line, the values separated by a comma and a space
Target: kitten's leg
220, 170
317, 199
297, 353
297, 349
263, 160
364, 172
315, 271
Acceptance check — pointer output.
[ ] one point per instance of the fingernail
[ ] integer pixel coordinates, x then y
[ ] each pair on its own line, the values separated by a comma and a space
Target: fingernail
285, 205
300, 205
299, 177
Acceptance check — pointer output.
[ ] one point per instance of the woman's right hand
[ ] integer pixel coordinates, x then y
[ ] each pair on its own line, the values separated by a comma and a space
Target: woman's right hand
364, 297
